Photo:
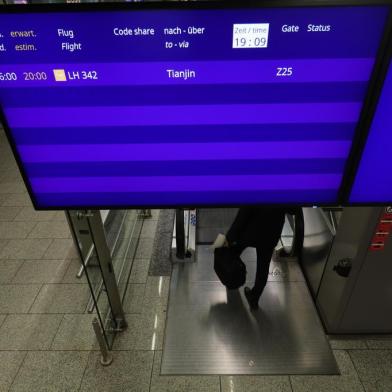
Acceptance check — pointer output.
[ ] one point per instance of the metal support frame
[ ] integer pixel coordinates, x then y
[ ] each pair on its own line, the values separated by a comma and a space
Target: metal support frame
81, 237
106, 357
99, 289
180, 234
184, 236
106, 266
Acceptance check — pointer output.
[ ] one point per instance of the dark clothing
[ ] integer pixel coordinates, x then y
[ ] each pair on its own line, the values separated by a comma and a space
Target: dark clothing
258, 227
296, 218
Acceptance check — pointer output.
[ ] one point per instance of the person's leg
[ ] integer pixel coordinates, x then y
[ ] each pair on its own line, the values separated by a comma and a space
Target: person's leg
299, 233
268, 239
236, 230
297, 222
264, 256
240, 225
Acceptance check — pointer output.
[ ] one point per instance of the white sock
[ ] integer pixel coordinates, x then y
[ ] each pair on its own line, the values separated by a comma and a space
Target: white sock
219, 242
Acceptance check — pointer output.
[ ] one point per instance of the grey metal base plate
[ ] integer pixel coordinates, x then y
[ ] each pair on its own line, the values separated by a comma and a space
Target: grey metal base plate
212, 331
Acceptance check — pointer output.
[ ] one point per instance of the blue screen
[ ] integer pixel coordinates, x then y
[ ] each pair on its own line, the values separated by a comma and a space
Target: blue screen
176, 107
373, 182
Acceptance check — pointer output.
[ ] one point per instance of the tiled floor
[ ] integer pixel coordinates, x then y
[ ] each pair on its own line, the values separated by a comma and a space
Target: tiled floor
46, 339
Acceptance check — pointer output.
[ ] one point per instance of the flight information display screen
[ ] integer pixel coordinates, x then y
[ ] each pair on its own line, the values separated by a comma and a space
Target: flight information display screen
186, 106
373, 182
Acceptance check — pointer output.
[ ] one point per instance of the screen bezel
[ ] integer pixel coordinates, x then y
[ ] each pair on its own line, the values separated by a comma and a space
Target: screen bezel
363, 125
357, 159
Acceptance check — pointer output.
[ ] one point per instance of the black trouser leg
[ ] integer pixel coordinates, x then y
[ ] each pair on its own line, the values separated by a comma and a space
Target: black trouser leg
264, 255
265, 249
240, 225
299, 234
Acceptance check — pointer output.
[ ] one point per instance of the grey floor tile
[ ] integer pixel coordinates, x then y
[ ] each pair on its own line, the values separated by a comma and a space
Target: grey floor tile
61, 298
10, 363
75, 333
17, 298
344, 343
51, 230
380, 343
3, 198
3, 243
31, 215
255, 384
61, 249
348, 381
139, 272
133, 301
17, 200
130, 371
144, 332
157, 286
149, 229
160, 260
10, 175
29, 331
8, 269
38, 271
51, 371
74, 268
9, 162
154, 305
154, 214
24, 249
60, 216
14, 186
166, 222
383, 384
182, 383
16, 230
8, 213
144, 249
372, 365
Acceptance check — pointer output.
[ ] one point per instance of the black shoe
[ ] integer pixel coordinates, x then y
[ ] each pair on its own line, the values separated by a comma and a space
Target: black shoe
252, 301
283, 255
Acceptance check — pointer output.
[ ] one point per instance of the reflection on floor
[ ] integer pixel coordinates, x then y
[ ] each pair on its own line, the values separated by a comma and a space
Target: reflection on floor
212, 331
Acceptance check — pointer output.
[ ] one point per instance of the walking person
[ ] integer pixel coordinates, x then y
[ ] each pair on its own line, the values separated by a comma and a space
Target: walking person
258, 227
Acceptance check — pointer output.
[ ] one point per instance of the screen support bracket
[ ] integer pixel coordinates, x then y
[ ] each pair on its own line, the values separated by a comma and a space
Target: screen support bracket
105, 263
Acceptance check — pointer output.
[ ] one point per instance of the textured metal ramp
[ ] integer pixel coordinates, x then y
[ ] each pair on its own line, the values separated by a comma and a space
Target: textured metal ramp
211, 331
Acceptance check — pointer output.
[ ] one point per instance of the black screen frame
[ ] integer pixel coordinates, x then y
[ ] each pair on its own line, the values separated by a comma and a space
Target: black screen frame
363, 125
386, 64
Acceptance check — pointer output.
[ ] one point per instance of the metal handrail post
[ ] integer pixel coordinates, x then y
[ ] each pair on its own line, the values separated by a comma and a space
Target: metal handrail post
107, 270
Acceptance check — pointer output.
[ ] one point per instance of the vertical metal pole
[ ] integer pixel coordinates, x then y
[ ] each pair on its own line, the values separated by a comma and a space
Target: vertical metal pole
105, 263
106, 357
180, 234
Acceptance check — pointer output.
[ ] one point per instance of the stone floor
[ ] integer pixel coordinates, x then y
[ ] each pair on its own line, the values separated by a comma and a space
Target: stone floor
46, 339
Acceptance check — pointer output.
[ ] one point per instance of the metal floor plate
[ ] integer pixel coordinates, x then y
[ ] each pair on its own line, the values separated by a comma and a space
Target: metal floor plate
212, 331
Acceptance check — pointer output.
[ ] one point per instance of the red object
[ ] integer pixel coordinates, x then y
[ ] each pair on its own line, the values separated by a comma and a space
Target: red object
382, 232
376, 247
386, 215
384, 227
